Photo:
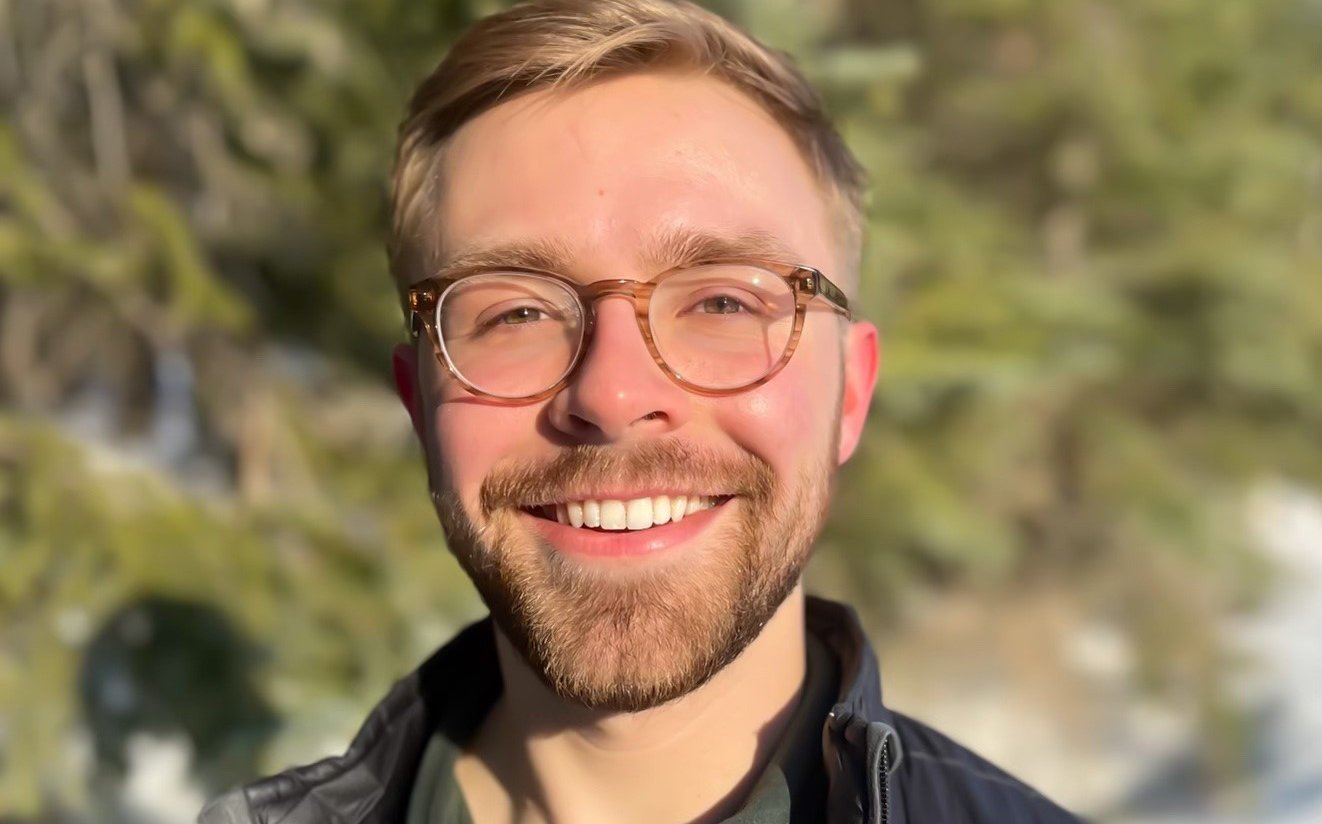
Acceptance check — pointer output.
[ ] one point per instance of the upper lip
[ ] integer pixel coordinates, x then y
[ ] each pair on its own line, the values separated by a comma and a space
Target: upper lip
627, 496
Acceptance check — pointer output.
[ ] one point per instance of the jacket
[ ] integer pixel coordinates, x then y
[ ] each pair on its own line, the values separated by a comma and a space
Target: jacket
882, 767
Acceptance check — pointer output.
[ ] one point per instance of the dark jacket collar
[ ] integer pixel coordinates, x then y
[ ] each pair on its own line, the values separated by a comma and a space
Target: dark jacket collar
859, 741
371, 782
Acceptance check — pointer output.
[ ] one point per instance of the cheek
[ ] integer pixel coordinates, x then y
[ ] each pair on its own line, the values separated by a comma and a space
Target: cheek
788, 421
471, 438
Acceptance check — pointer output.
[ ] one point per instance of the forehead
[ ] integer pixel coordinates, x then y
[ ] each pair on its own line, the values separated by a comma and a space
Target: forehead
600, 172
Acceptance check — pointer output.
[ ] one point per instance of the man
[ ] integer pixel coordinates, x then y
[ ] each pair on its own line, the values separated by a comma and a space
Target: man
625, 234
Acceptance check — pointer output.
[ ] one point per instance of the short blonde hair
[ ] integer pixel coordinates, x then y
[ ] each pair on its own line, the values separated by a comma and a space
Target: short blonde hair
566, 43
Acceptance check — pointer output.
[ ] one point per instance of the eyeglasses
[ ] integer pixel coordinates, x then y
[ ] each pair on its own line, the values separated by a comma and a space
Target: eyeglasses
716, 328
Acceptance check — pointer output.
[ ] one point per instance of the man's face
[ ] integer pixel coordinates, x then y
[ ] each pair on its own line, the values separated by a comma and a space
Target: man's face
632, 618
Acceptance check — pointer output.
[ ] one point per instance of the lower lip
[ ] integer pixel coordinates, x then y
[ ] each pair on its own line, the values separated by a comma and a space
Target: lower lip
622, 543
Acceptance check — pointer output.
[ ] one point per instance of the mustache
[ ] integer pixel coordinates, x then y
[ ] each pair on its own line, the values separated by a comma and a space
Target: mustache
650, 464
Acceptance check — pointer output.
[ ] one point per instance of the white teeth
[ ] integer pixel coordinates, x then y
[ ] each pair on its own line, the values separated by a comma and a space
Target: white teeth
635, 514
661, 509
638, 513
613, 516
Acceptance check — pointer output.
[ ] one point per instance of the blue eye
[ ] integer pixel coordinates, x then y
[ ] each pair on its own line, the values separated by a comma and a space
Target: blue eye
514, 317
722, 305
523, 314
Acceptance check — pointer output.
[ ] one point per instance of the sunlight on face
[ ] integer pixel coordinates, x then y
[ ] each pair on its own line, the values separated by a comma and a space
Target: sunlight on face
633, 637
598, 172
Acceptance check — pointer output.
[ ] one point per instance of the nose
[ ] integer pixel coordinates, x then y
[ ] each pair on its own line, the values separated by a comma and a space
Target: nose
618, 392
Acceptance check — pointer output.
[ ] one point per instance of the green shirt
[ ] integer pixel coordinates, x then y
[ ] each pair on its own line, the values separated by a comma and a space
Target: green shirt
792, 789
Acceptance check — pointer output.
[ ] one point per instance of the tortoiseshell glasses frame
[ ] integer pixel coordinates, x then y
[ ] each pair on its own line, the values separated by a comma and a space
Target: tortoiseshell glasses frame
807, 283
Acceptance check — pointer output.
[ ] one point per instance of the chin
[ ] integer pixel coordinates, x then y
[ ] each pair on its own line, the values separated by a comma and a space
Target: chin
628, 638
634, 644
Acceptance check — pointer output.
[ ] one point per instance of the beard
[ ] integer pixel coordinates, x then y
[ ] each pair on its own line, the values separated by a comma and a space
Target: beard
630, 640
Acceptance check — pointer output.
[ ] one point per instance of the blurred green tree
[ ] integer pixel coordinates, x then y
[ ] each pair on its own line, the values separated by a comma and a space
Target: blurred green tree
1095, 240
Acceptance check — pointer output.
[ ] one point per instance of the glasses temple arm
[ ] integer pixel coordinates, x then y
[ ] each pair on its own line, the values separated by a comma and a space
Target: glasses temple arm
833, 294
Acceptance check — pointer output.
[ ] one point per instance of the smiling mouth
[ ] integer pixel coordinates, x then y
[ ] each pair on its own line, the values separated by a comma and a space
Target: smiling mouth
633, 515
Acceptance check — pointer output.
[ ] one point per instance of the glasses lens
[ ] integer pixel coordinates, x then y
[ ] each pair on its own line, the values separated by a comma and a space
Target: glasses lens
723, 326
511, 335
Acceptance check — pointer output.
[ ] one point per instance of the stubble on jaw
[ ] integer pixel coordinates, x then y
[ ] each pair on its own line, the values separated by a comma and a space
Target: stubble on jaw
632, 642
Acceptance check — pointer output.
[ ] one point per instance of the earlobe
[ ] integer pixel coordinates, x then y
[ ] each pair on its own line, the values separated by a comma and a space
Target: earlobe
862, 359
404, 362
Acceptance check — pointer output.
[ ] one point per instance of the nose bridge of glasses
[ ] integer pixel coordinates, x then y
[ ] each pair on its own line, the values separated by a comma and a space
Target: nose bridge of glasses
637, 293
621, 287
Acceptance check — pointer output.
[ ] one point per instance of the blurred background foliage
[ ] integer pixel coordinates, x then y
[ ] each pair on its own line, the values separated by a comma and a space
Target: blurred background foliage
1095, 253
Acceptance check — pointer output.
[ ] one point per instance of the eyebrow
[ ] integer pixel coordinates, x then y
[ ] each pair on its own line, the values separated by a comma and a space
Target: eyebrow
685, 247
537, 254
668, 249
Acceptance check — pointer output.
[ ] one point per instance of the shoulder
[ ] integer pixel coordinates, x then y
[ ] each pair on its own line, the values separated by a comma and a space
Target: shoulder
371, 775
941, 780
230, 808
370, 782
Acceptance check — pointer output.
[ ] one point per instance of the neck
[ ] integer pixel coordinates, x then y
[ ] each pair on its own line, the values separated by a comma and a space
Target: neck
539, 758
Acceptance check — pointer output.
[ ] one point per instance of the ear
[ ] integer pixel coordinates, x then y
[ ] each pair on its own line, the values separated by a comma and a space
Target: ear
862, 358
404, 361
